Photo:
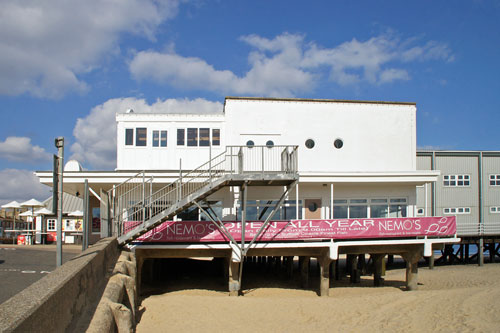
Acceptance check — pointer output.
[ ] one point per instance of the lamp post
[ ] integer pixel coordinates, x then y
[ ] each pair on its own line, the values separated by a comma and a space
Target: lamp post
59, 142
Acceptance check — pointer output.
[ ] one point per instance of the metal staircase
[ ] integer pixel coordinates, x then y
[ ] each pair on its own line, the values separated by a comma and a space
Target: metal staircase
135, 206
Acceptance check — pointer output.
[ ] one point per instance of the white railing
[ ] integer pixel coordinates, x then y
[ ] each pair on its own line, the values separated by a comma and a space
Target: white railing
135, 202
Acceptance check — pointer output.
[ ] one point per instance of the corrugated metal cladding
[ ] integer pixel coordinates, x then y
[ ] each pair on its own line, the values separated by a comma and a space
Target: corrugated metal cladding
491, 195
424, 163
70, 203
472, 196
459, 196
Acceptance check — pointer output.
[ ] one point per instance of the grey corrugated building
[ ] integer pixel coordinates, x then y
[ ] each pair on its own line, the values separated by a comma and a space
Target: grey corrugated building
468, 187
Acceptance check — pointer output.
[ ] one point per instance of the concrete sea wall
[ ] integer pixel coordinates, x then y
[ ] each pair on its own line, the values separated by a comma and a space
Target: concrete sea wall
59, 300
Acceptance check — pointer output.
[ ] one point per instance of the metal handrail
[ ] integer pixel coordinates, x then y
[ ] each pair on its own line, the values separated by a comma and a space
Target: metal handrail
138, 207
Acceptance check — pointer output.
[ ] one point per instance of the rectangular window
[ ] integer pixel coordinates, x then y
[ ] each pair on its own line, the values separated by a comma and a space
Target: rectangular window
456, 180
378, 208
51, 225
159, 138
379, 211
180, 136
156, 138
358, 212
129, 136
456, 210
192, 137
216, 137
259, 210
495, 210
340, 212
141, 137
204, 137
495, 180
163, 138
420, 211
397, 211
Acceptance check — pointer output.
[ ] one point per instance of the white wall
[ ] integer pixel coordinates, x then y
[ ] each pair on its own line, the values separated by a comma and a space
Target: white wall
164, 158
377, 137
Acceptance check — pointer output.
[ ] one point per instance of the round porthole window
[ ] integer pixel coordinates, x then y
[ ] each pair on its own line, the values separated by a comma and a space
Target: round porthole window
269, 143
310, 143
250, 144
338, 143
312, 207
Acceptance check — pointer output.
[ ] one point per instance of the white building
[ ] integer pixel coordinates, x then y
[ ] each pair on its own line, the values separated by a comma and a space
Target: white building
355, 158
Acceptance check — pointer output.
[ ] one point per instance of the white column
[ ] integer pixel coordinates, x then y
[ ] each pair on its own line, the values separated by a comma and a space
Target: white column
331, 200
297, 206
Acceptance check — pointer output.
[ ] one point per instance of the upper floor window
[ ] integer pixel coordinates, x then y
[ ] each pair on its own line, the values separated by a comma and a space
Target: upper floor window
215, 137
495, 210
310, 143
129, 136
456, 180
192, 137
159, 138
204, 137
457, 210
495, 180
180, 136
141, 136
338, 143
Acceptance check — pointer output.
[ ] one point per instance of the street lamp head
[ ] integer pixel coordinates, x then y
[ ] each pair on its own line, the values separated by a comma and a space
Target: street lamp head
59, 142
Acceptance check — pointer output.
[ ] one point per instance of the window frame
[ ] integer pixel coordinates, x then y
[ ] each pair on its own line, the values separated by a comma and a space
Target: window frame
181, 138
206, 137
194, 139
51, 224
495, 210
495, 178
456, 211
388, 202
216, 142
129, 136
157, 138
453, 180
139, 137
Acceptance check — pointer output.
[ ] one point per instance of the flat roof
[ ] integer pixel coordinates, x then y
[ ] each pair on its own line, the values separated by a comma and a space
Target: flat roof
429, 152
314, 100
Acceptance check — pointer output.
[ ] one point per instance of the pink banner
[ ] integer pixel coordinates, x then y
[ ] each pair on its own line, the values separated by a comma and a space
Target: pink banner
205, 231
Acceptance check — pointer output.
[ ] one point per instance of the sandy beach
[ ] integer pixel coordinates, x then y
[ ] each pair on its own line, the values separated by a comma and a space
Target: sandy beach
449, 299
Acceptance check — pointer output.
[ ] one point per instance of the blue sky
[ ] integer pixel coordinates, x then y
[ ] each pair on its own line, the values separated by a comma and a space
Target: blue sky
68, 66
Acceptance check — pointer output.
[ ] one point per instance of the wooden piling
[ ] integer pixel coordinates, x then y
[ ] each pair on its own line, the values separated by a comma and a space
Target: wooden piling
234, 284
412, 259
324, 275
431, 261
304, 271
378, 263
353, 268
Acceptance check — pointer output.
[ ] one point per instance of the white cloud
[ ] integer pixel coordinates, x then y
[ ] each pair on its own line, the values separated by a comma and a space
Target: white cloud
47, 44
20, 149
96, 134
393, 74
21, 185
288, 65
278, 75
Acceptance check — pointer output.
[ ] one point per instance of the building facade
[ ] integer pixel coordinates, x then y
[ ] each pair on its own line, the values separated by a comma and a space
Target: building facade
468, 187
357, 159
